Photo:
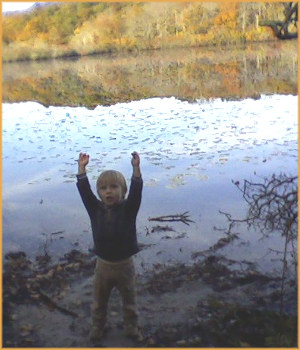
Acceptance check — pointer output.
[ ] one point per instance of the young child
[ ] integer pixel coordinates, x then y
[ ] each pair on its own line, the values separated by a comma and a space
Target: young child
113, 221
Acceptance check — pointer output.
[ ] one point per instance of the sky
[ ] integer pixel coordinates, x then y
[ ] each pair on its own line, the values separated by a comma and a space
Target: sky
15, 6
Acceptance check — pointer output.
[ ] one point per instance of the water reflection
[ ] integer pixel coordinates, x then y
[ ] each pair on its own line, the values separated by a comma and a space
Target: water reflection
190, 153
187, 74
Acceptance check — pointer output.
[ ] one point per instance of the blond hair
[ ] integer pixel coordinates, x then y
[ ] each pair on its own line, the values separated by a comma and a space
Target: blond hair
112, 176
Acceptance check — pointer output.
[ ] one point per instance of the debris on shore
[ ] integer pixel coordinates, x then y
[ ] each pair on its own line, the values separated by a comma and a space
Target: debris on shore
210, 303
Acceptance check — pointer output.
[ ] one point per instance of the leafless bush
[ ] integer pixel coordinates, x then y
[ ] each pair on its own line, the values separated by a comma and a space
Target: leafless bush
273, 209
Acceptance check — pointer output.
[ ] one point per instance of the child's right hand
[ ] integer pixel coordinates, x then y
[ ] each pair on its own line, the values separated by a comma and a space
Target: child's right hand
83, 160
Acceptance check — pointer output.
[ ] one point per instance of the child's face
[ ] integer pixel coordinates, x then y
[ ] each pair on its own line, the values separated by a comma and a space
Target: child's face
110, 193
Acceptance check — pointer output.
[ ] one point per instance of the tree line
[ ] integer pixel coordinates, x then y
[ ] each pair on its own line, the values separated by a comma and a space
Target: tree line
83, 28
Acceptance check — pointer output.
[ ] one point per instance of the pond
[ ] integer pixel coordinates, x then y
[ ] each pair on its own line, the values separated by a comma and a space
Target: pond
190, 153
189, 74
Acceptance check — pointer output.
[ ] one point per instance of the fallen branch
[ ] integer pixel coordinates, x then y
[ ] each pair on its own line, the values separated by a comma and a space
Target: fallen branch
57, 233
51, 303
159, 228
177, 217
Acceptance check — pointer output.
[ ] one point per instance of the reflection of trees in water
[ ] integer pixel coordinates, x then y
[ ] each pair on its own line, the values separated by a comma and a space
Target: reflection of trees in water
273, 208
190, 75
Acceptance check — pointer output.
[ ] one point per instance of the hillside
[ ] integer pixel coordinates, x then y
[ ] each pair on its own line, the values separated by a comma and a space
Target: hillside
83, 28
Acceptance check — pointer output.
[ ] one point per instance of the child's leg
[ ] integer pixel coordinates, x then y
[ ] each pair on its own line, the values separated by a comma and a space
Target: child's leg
102, 289
126, 286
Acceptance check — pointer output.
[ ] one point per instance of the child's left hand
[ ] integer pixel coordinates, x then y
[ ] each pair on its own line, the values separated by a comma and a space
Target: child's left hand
135, 161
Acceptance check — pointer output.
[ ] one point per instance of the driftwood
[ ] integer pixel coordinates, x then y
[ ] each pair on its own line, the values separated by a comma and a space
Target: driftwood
159, 228
52, 304
170, 218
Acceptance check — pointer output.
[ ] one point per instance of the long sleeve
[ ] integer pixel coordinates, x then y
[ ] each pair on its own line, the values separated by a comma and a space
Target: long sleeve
135, 193
89, 200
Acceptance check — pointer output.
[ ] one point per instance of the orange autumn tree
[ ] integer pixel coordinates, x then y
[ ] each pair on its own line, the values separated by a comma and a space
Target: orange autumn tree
225, 24
227, 16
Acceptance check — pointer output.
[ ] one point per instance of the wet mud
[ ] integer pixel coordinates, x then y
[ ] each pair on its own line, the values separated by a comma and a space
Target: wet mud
212, 302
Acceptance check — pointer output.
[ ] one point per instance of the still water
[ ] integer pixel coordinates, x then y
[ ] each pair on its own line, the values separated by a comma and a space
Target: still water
190, 152
188, 74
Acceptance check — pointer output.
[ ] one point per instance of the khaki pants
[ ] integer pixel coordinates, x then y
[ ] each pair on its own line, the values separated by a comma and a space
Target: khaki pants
121, 275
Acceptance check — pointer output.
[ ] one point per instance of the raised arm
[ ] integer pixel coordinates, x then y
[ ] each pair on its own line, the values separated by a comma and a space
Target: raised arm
136, 186
135, 161
90, 201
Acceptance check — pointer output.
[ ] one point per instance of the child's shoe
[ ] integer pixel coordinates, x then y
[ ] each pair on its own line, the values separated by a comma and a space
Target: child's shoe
96, 335
134, 333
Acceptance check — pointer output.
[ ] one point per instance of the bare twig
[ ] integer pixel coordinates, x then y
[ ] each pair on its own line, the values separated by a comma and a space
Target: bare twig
170, 218
273, 207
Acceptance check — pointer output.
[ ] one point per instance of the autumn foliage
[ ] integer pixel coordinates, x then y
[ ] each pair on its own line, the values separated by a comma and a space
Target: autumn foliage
83, 28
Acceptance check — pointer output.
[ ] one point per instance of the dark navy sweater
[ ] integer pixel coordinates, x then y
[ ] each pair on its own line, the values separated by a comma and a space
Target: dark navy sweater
114, 228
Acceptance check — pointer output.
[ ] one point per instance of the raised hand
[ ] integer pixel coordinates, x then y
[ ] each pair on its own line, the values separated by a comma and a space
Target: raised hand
83, 161
135, 161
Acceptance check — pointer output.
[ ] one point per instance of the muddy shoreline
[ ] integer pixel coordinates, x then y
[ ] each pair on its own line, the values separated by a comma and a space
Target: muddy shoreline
213, 302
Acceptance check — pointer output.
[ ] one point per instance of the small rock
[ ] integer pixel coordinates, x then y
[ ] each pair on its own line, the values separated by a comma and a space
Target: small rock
181, 342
